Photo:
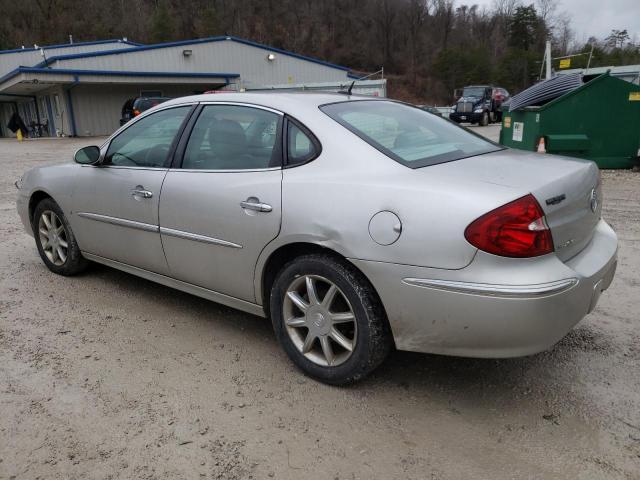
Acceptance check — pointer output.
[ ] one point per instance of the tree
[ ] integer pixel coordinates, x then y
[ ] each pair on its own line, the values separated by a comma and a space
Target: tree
527, 35
207, 23
523, 27
547, 9
617, 39
427, 47
161, 23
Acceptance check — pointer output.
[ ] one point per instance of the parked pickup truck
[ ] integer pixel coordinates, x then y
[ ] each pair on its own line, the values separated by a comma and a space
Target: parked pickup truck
479, 104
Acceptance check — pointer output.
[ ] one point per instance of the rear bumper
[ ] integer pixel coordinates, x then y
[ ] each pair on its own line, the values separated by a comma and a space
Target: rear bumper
465, 117
473, 312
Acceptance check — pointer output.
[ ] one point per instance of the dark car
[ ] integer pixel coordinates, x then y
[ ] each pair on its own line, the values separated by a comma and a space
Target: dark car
430, 109
479, 104
135, 106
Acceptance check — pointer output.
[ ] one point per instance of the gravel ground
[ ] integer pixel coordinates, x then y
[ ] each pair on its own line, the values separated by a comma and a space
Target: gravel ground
106, 375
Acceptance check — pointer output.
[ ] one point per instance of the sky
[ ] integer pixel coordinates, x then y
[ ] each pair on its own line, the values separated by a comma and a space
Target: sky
592, 17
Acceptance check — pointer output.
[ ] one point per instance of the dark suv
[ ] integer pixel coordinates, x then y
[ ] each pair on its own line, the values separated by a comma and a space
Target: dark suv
479, 104
135, 106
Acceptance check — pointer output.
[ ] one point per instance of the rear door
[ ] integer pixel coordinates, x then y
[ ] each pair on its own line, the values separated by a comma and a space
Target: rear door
115, 204
221, 204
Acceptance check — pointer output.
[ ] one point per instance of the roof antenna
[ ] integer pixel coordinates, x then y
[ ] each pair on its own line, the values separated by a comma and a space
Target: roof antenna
351, 87
348, 90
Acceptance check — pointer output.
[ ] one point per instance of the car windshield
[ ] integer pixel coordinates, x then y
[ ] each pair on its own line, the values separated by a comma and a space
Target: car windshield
473, 91
408, 134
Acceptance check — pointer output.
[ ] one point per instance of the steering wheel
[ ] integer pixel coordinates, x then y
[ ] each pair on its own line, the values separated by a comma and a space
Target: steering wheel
156, 155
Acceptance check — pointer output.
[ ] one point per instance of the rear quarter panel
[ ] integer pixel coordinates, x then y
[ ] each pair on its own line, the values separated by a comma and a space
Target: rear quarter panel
331, 200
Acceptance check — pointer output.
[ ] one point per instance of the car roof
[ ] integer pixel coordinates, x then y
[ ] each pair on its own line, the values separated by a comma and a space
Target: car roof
277, 100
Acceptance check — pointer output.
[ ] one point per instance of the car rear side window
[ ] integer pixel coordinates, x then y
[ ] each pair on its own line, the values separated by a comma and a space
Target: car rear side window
147, 142
232, 137
301, 144
407, 134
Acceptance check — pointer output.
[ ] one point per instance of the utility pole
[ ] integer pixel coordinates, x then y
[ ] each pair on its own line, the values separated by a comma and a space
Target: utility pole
589, 61
547, 57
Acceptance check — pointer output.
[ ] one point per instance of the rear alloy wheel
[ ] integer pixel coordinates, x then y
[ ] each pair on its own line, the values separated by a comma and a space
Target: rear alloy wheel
321, 326
55, 241
329, 319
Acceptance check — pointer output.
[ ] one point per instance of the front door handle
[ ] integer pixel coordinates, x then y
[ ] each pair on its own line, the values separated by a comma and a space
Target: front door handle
253, 203
139, 191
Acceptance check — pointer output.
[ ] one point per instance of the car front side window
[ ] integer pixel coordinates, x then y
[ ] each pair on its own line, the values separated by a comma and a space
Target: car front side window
148, 141
234, 137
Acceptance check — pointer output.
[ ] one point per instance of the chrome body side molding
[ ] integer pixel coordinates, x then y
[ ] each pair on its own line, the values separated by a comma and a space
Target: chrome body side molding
491, 290
197, 238
122, 222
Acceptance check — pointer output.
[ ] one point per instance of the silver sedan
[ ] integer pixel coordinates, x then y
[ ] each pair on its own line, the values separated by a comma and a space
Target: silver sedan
355, 224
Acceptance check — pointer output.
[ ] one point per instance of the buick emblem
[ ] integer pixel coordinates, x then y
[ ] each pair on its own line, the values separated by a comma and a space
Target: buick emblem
593, 200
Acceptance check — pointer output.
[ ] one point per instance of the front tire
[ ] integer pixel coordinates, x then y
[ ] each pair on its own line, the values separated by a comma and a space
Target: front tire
329, 319
484, 121
56, 243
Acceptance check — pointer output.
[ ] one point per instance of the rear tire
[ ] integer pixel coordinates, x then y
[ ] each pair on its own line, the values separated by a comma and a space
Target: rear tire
339, 332
55, 240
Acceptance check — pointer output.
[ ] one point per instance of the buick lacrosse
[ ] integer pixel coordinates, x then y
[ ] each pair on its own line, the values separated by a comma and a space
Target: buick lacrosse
355, 224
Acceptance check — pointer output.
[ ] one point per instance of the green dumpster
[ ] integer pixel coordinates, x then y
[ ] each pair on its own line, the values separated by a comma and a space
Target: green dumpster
599, 121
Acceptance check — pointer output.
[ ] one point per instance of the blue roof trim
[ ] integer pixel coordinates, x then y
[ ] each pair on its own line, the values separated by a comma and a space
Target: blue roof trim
66, 45
191, 42
117, 73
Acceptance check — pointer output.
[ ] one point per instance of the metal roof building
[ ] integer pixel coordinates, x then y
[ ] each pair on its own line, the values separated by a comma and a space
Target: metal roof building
630, 73
80, 88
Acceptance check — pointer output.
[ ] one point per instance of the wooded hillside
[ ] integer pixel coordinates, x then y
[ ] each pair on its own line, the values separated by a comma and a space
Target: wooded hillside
427, 47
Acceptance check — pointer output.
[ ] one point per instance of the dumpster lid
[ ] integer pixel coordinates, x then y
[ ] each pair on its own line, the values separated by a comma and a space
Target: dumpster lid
546, 90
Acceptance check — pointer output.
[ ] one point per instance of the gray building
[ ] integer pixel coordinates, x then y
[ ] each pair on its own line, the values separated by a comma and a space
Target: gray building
630, 73
79, 89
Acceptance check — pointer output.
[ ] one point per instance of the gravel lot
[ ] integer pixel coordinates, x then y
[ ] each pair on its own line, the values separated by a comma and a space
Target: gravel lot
107, 375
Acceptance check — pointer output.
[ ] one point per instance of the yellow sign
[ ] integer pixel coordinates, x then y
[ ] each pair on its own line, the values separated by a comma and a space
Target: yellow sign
565, 63
507, 122
634, 96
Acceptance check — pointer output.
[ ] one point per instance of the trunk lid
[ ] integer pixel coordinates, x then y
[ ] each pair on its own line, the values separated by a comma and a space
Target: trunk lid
567, 189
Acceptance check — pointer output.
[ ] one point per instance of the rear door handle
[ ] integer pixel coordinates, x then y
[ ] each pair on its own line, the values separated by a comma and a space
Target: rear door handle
139, 191
256, 205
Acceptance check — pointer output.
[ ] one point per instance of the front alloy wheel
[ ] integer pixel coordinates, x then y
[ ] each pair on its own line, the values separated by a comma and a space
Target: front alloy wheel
56, 243
53, 237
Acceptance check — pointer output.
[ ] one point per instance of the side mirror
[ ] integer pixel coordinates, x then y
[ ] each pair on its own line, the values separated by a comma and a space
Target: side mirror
87, 155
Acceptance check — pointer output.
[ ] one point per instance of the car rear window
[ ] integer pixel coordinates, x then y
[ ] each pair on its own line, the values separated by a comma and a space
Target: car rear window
407, 134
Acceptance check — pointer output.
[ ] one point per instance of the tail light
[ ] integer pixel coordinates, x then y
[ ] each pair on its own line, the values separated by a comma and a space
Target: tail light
517, 229
136, 113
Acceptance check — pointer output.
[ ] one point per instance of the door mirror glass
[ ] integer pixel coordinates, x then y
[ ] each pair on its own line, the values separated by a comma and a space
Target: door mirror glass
87, 155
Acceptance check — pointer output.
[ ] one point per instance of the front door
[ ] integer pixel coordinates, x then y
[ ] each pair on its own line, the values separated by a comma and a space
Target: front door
223, 205
115, 204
